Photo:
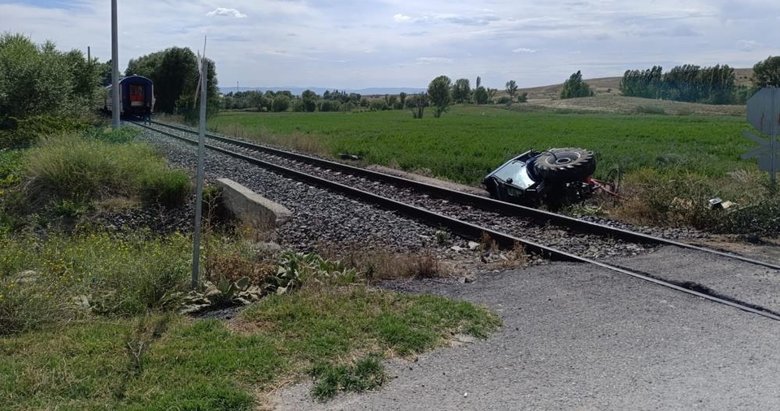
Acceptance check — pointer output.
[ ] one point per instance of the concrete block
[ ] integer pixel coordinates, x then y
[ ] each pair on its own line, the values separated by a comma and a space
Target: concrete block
252, 208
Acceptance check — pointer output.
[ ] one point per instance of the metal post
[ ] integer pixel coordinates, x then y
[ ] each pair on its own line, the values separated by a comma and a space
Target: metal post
199, 178
773, 141
115, 108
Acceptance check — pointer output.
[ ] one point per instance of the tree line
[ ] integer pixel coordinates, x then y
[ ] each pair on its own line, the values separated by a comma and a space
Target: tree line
692, 83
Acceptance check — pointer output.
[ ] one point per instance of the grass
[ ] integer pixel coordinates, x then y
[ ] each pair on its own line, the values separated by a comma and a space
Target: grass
82, 170
204, 364
665, 160
469, 141
41, 280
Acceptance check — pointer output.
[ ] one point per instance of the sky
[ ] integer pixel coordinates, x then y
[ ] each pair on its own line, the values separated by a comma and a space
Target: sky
353, 44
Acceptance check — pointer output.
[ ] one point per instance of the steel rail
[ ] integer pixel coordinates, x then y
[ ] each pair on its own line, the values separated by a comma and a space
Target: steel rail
484, 203
476, 232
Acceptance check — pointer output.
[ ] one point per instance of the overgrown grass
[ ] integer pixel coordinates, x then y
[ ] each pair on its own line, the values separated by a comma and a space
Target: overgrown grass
68, 278
82, 170
202, 364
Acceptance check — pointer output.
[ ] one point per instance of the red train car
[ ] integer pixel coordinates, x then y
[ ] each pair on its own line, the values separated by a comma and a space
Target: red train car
136, 96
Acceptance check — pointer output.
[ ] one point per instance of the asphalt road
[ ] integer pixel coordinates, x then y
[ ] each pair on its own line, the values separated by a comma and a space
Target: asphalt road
580, 337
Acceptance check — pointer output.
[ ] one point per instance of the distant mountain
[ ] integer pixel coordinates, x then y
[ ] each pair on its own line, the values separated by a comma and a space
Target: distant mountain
372, 91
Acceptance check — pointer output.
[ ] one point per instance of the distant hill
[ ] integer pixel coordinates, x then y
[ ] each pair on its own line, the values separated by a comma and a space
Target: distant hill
373, 91
611, 85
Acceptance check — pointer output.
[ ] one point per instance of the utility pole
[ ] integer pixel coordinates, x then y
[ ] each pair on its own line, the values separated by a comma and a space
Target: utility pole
115, 108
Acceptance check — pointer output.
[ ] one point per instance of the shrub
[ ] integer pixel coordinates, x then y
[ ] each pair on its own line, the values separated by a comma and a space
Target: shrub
522, 98
109, 135
169, 189
17, 133
504, 100
83, 170
761, 218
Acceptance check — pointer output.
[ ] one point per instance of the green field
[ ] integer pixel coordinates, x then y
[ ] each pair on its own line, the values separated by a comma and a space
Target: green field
468, 141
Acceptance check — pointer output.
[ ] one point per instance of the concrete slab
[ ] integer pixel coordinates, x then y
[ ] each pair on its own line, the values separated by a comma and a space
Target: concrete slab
252, 208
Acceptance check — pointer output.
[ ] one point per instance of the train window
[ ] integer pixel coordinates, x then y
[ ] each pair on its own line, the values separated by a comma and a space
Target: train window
136, 95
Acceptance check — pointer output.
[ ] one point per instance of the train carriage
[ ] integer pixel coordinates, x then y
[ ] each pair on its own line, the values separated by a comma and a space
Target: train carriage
136, 96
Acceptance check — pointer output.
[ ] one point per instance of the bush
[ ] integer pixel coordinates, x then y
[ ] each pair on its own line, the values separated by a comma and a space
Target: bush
18, 133
761, 218
169, 189
504, 100
121, 135
84, 170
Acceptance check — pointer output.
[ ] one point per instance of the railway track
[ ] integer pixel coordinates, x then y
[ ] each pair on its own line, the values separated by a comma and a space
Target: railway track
473, 216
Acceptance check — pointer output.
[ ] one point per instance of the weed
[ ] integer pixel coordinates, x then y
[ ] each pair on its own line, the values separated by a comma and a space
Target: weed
442, 237
487, 243
376, 265
137, 344
366, 374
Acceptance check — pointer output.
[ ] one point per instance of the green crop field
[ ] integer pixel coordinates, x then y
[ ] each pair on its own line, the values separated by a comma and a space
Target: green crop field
468, 141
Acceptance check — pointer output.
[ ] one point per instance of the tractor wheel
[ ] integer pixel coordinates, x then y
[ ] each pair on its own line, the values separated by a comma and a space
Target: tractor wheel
565, 164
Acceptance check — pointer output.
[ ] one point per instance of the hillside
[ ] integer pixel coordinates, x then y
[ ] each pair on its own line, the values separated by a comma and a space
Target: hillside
610, 85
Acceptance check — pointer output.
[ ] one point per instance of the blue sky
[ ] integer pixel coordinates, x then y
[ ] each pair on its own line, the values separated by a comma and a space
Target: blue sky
385, 43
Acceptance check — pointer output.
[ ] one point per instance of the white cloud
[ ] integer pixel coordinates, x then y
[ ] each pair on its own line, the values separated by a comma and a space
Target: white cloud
747, 45
221, 11
368, 43
433, 60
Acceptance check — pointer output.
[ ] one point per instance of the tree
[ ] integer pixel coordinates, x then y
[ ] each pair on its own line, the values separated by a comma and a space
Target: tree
511, 89
418, 102
439, 94
767, 73
644, 83
461, 90
37, 80
575, 87
280, 103
481, 95
174, 72
309, 100
479, 82
402, 99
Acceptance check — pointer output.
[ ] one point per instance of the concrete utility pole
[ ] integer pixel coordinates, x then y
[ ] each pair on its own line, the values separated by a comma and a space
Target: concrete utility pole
114, 68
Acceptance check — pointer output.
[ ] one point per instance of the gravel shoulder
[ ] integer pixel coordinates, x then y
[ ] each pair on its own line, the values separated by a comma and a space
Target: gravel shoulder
576, 336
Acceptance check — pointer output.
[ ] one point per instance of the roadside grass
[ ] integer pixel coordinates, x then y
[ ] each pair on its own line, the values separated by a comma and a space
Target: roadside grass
206, 364
69, 278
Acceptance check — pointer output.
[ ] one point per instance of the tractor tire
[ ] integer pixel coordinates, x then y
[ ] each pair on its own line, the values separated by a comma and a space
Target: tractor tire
562, 165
